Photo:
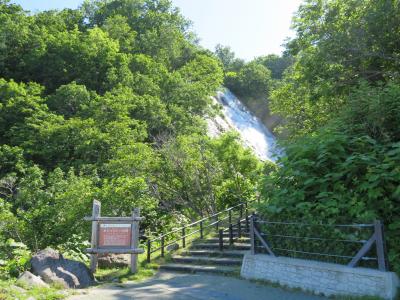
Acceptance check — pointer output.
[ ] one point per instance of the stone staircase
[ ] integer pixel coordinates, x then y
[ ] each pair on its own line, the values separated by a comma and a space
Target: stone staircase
204, 255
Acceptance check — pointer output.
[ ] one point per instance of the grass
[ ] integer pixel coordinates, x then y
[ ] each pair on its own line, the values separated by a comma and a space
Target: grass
122, 275
10, 290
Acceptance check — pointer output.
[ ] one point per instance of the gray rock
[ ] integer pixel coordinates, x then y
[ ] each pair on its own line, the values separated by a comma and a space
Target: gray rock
28, 279
173, 247
52, 267
114, 260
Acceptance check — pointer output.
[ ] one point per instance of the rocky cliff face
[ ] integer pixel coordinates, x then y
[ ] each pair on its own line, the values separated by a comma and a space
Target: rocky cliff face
261, 110
235, 116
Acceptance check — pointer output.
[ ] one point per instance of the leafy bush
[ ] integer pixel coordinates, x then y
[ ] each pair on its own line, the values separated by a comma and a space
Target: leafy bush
333, 177
14, 259
74, 248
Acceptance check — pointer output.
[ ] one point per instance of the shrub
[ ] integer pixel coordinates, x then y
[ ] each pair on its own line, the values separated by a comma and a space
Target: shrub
14, 258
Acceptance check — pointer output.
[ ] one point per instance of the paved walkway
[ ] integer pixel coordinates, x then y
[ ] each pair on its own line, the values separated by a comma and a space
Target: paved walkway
179, 286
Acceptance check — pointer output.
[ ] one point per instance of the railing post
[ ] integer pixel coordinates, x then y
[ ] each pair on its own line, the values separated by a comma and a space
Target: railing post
162, 246
230, 234
230, 216
239, 229
221, 240
183, 237
217, 223
148, 250
246, 213
380, 249
241, 211
252, 241
201, 230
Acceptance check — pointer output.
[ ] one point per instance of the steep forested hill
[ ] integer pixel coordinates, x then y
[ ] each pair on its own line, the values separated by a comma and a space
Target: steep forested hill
107, 101
341, 104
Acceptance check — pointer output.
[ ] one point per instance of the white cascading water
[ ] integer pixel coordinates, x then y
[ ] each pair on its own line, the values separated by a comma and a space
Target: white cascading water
238, 118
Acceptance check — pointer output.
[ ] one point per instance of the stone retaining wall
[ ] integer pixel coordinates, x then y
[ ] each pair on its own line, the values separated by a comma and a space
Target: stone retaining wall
321, 278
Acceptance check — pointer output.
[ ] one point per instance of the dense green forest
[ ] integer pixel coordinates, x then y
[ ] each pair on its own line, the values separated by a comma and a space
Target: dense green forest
341, 104
108, 102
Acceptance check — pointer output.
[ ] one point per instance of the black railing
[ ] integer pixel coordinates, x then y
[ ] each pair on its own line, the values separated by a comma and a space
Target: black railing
224, 221
340, 243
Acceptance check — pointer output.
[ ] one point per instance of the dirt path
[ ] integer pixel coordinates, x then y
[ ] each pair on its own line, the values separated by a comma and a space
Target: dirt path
179, 286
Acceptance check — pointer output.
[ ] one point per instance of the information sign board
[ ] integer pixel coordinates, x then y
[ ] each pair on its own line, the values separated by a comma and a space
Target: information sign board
115, 235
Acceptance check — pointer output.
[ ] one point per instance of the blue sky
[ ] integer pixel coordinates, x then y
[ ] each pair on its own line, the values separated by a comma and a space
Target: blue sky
250, 27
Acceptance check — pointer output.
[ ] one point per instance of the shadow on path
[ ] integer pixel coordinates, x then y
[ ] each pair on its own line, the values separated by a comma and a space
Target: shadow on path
179, 286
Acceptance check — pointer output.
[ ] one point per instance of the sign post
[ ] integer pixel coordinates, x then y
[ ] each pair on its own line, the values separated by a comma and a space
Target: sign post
95, 214
114, 235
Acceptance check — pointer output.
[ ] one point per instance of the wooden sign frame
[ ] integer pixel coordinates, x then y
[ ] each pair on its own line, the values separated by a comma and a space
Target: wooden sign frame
96, 248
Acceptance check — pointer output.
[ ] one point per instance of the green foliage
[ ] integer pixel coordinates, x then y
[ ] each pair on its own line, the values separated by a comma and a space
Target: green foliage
69, 100
338, 43
75, 248
200, 175
276, 64
107, 102
254, 80
347, 172
341, 103
228, 60
374, 111
17, 102
14, 258
9, 290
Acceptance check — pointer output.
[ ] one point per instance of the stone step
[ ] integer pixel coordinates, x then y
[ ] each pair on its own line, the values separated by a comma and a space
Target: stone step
214, 253
235, 246
204, 269
205, 260
226, 240
244, 233
243, 230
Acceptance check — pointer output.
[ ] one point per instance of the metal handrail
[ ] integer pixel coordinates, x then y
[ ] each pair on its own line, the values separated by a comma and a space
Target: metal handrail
184, 235
310, 224
197, 222
376, 238
313, 238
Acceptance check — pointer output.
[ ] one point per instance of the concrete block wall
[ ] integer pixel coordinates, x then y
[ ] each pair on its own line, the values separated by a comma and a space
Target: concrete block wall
319, 277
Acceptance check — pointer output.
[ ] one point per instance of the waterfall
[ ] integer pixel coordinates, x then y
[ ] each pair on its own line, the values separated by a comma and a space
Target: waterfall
235, 116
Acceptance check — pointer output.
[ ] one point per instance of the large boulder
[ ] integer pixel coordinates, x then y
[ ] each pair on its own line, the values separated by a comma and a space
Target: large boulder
52, 267
113, 260
30, 280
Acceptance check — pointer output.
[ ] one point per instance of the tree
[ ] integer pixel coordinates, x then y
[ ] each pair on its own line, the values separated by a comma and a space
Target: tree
341, 103
108, 101
228, 59
70, 100
337, 44
18, 102
276, 64
253, 81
